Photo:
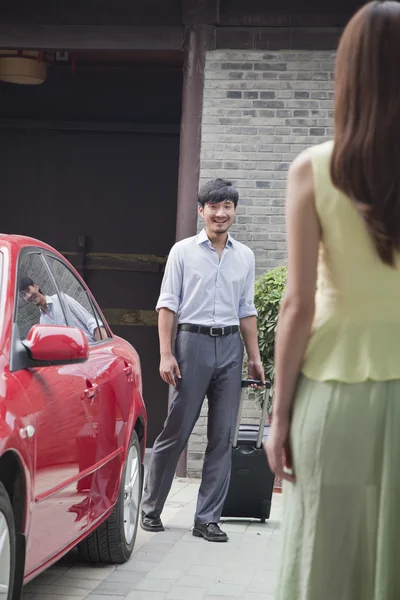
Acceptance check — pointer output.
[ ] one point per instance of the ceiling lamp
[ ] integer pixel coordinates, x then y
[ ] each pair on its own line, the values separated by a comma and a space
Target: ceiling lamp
28, 67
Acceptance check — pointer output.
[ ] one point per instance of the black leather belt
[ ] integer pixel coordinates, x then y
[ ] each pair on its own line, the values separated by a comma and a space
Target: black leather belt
213, 331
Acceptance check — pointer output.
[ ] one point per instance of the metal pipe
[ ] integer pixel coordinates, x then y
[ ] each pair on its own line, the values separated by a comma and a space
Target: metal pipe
263, 418
239, 415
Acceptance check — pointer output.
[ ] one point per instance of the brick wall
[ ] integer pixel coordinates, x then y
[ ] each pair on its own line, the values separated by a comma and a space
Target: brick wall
260, 110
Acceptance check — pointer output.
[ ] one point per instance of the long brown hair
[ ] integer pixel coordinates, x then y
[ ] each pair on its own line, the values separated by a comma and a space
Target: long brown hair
366, 156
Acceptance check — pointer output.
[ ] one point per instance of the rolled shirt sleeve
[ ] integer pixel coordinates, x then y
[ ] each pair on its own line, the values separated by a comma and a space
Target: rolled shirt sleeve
246, 303
81, 315
171, 287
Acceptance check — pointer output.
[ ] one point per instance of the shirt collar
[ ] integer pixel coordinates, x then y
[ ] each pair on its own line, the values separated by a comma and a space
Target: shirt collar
49, 301
202, 237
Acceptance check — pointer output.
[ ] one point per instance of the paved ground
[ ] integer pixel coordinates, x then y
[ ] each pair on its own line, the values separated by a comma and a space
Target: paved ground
174, 565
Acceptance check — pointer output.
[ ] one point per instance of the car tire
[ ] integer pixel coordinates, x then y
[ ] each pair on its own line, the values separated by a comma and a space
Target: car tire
7, 546
113, 540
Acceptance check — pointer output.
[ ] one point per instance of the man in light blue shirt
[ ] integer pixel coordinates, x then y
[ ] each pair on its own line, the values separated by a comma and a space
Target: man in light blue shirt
208, 288
52, 312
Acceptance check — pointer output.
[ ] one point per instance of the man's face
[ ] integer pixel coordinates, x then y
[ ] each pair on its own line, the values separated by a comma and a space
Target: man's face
32, 295
218, 217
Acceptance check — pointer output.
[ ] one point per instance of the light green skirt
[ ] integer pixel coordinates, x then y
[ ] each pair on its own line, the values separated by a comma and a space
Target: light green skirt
341, 527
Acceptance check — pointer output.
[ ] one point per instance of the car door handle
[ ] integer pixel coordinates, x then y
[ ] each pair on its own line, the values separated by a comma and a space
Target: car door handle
91, 391
128, 370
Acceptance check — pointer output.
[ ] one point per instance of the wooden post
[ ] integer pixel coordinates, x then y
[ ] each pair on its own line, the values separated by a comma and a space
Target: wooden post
198, 39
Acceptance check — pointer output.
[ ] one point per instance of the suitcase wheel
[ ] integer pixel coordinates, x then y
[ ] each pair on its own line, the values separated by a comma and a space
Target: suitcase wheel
263, 519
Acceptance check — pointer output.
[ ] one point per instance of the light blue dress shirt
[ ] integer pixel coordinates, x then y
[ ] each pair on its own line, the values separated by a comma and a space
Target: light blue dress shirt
78, 316
205, 290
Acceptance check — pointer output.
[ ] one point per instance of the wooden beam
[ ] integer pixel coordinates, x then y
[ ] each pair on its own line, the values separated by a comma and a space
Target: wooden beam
287, 13
199, 39
90, 37
130, 318
200, 11
96, 12
103, 127
278, 38
99, 261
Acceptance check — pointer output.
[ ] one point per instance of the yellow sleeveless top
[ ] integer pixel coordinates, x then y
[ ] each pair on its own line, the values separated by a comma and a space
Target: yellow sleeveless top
356, 331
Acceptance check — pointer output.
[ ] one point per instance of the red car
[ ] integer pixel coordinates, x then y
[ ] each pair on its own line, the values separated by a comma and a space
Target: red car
72, 420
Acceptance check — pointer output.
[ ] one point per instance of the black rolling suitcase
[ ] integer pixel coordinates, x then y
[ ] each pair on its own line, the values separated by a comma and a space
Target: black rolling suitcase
251, 485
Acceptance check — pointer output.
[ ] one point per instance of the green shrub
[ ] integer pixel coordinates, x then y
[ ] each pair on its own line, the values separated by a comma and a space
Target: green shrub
269, 289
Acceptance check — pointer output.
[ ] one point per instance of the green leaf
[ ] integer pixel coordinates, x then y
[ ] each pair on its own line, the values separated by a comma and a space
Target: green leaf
269, 289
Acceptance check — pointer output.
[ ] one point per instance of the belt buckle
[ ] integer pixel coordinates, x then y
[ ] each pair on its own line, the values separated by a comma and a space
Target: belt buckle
216, 334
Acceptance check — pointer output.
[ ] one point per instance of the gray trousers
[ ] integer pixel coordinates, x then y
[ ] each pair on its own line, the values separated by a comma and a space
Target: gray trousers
209, 366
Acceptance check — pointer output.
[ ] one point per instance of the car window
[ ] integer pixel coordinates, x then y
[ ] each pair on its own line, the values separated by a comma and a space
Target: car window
35, 291
80, 311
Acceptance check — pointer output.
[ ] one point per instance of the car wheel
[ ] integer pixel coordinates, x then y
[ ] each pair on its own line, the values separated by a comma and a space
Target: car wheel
113, 541
7, 546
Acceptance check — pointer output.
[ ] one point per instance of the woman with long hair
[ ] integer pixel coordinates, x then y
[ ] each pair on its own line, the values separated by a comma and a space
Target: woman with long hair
336, 415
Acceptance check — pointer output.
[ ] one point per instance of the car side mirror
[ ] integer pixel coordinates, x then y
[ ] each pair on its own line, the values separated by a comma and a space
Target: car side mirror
56, 345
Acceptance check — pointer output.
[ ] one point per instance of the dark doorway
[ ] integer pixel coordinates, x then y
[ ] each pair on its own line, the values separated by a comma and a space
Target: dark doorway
90, 165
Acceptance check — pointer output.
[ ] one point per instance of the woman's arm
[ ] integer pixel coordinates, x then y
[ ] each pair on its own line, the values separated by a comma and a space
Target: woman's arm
297, 309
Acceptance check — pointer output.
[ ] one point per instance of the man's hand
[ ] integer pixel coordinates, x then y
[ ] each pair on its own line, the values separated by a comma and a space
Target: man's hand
256, 371
169, 369
248, 328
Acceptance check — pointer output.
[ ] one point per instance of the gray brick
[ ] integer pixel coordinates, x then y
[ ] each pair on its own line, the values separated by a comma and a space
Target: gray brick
100, 597
283, 113
268, 104
301, 122
121, 576
317, 131
186, 593
321, 76
268, 114
299, 131
155, 585
250, 113
301, 94
113, 588
263, 184
233, 94
236, 66
145, 595
284, 76
270, 66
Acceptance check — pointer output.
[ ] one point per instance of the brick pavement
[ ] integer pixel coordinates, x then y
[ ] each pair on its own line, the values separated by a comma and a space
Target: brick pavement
174, 565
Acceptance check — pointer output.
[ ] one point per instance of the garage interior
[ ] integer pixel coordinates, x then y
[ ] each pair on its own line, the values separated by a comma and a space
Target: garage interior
90, 165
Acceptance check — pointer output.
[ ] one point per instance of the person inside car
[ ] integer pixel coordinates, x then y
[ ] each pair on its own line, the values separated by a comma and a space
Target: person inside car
52, 313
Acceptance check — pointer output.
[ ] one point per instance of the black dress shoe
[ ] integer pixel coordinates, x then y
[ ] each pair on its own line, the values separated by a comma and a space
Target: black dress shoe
210, 532
151, 523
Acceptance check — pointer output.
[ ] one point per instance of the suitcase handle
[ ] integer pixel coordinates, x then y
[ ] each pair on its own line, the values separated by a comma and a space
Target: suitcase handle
246, 383
249, 382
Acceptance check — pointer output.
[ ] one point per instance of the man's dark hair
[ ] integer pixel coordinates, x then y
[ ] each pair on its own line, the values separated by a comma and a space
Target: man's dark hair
218, 190
25, 282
